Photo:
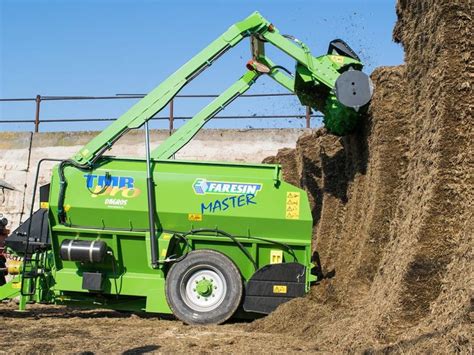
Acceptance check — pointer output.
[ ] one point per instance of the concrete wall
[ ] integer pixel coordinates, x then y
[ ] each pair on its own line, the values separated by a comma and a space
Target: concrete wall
20, 153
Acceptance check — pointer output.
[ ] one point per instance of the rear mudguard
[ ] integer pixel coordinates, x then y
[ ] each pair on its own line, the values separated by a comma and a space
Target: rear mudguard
273, 285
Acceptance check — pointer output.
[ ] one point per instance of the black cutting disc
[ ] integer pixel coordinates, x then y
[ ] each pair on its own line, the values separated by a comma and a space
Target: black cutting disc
353, 89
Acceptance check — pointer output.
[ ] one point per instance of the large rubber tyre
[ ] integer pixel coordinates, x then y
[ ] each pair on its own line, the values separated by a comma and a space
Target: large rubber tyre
214, 271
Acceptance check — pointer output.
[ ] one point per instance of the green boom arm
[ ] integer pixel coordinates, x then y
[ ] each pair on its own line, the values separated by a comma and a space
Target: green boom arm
316, 72
157, 99
189, 130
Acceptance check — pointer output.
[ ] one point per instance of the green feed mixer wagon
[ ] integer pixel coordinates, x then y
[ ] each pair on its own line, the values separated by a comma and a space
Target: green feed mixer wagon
200, 240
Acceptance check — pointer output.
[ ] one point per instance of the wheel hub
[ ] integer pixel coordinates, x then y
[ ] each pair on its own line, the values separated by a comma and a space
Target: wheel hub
204, 287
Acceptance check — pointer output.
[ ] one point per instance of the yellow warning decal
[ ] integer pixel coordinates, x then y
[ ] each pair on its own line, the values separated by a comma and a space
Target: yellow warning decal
276, 256
195, 217
16, 285
337, 59
44, 205
85, 152
292, 205
164, 252
279, 289
166, 236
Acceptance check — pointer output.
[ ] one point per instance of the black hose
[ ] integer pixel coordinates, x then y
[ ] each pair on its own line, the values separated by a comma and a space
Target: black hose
107, 182
185, 253
63, 180
234, 239
114, 270
290, 250
282, 68
86, 166
63, 185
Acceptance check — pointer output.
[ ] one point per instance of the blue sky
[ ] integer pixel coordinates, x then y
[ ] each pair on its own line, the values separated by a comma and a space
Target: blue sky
105, 47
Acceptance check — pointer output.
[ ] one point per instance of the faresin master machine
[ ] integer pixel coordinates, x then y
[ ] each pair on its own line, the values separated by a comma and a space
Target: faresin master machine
199, 240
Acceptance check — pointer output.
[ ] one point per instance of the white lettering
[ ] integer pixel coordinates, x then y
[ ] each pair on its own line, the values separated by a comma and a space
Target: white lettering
115, 202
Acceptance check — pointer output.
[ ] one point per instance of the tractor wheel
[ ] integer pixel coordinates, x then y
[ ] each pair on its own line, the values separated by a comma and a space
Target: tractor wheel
204, 288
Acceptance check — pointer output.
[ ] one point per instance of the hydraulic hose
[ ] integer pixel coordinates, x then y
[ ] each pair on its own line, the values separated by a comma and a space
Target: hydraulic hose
63, 185
225, 234
85, 166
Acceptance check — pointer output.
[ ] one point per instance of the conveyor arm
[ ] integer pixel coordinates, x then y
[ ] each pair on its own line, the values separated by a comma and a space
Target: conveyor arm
157, 99
315, 81
185, 133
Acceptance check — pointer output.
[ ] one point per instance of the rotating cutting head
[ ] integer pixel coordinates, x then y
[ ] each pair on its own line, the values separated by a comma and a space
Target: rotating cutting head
353, 89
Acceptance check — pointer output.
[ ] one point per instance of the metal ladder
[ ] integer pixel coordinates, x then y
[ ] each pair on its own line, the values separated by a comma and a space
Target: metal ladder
29, 270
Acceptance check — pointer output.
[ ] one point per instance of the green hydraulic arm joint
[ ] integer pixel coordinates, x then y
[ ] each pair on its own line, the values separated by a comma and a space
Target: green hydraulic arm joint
321, 69
282, 78
315, 79
178, 140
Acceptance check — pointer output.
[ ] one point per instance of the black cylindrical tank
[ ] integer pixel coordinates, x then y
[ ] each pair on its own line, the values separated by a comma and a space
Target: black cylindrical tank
83, 250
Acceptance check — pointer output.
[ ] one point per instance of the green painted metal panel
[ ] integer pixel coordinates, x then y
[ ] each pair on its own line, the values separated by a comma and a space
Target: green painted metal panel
245, 200
11, 289
124, 207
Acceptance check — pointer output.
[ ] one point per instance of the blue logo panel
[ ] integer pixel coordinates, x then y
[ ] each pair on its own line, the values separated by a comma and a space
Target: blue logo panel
203, 187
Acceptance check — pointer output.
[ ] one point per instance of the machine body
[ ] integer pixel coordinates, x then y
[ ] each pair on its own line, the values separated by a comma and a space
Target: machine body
197, 239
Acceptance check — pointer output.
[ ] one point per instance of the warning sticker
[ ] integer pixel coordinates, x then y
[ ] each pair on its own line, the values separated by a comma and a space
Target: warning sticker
166, 236
292, 205
195, 217
280, 289
337, 59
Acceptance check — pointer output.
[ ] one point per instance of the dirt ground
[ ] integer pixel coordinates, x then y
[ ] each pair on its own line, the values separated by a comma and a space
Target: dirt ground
393, 220
50, 329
